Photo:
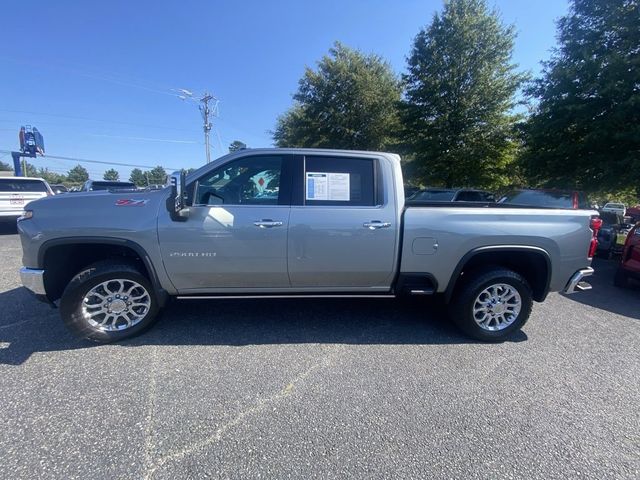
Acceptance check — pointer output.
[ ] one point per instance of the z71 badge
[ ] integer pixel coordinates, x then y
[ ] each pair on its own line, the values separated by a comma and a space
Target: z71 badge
128, 202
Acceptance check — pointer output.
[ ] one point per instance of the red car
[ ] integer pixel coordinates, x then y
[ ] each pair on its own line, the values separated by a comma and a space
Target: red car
630, 263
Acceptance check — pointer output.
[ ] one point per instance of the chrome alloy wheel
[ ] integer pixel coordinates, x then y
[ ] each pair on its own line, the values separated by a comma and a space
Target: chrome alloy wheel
497, 307
116, 304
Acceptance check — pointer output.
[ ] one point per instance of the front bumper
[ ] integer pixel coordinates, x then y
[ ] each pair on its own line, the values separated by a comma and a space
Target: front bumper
33, 279
577, 283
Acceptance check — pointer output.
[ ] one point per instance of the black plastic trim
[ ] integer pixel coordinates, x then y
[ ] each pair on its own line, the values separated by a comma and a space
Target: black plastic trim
140, 251
448, 293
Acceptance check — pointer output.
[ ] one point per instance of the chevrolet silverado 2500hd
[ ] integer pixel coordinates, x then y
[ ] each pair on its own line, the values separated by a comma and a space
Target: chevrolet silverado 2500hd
295, 222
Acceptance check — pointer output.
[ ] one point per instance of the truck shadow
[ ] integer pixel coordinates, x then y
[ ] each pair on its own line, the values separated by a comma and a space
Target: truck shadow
29, 327
606, 296
8, 228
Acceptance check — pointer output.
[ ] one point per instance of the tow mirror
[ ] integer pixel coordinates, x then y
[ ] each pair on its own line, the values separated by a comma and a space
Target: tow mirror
176, 203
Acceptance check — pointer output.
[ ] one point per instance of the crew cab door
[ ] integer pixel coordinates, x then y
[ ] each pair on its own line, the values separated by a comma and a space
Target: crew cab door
235, 236
343, 226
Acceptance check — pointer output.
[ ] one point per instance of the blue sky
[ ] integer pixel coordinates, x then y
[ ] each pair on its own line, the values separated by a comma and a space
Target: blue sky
96, 77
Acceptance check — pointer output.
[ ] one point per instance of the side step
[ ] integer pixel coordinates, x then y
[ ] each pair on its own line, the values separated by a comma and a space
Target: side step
416, 284
421, 291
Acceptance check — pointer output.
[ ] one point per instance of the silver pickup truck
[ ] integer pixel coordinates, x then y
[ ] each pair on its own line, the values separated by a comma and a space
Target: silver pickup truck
295, 223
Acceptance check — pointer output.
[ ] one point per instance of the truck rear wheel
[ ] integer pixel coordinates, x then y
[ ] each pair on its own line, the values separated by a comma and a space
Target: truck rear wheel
492, 304
108, 301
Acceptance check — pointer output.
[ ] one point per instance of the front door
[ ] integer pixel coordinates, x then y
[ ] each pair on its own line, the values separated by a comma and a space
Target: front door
235, 237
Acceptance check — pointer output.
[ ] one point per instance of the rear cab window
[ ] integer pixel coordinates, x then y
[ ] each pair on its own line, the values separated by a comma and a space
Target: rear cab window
341, 181
15, 185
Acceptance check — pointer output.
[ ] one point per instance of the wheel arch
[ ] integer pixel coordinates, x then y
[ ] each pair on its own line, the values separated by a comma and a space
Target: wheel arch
63, 258
533, 263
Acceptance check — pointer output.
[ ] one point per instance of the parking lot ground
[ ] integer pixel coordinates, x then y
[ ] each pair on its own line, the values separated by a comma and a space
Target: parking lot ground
322, 389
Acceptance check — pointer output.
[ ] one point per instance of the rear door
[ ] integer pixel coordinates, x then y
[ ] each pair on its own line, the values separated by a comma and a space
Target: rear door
342, 228
235, 238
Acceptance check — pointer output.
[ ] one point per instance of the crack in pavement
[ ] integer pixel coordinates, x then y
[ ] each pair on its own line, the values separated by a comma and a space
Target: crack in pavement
149, 446
260, 405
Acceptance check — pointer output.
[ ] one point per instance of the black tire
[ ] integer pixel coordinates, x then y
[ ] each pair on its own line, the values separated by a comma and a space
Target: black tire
71, 303
621, 278
461, 307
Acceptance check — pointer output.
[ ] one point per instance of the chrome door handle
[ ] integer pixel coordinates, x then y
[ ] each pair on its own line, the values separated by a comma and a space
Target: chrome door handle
375, 224
267, 223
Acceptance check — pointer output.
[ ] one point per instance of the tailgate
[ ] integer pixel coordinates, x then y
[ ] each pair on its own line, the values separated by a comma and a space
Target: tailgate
16, 201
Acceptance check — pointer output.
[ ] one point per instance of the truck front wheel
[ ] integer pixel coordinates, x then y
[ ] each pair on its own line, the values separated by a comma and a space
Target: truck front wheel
490, 305
108, 301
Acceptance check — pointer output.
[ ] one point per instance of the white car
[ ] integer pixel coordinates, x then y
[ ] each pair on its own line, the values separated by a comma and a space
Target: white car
618, 208
16, 192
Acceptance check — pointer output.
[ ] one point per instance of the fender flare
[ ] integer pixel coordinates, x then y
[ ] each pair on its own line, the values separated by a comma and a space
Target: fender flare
448, 293
122, 242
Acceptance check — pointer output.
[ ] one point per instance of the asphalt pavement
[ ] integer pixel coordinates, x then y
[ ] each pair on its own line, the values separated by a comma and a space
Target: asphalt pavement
322, 389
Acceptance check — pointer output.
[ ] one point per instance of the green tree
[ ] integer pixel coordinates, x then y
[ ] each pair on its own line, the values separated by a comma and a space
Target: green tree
350, 101
585, 129
51, 177
138, 177
111, 174
157, 176
237, 145
77, 175
31, 170
460, 92
5, 167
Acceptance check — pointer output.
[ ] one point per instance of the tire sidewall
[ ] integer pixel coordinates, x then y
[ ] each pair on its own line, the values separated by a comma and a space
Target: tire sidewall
72, 298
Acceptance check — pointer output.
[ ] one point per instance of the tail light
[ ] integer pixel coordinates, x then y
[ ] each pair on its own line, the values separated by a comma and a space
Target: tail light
595, 225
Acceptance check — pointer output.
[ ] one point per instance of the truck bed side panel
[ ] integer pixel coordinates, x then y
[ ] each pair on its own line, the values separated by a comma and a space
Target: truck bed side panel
436, 238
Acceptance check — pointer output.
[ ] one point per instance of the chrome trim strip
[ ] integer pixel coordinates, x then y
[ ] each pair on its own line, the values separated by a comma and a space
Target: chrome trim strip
574, 283
33, 279
244, 297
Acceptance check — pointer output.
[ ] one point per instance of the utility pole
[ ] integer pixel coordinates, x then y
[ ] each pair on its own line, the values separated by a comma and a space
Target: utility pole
205, 110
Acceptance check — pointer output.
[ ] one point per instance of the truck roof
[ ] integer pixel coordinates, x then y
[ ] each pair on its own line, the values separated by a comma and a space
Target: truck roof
394, 157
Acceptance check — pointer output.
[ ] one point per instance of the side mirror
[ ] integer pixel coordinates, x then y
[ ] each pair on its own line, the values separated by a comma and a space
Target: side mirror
176, 203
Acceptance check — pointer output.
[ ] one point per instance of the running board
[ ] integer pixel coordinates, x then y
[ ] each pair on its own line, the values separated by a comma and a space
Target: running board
250, 297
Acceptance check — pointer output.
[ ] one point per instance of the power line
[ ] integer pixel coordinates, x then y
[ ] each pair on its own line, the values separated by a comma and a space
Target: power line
142, 139
73, 159
73, 117
118, 81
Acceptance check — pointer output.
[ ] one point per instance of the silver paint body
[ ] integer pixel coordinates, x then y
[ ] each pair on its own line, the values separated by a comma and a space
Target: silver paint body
314, 249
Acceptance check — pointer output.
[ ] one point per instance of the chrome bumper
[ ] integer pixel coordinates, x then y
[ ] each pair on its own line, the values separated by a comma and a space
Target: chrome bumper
33, 279
576, 284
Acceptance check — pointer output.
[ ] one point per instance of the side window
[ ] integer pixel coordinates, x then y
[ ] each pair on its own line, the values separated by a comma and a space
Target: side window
246, 181
339, 181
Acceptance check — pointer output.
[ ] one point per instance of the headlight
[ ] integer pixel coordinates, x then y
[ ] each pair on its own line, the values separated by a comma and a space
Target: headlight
26, 215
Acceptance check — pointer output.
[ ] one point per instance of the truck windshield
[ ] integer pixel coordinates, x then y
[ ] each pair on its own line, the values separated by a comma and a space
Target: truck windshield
434, 195
111, 185
539, 198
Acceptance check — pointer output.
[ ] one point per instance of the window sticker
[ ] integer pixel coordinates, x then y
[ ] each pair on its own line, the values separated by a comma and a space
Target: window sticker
328, 186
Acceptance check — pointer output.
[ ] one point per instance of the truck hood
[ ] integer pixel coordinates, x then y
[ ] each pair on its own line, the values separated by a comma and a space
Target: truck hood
100, 213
